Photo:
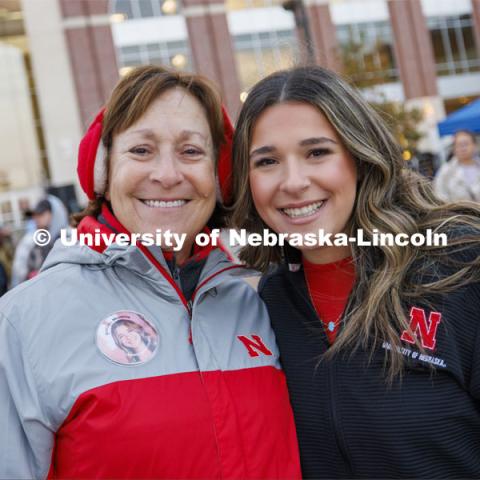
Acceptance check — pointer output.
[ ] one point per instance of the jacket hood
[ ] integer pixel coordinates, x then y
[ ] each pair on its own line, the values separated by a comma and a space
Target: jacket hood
59, 216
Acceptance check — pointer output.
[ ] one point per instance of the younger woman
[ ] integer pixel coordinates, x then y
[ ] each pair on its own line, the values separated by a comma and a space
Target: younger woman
380, 344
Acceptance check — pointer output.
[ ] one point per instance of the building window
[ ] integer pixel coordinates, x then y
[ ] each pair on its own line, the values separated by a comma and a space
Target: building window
367, 55
24, 162
145, 8
174, 54
233, 5
453, 41
259, 54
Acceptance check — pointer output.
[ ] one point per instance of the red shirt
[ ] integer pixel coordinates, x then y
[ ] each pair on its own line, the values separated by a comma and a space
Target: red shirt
329, 286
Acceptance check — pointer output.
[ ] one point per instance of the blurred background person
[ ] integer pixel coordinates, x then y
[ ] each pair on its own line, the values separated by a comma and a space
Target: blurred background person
6, 258
27, 214
49, 214
459, 178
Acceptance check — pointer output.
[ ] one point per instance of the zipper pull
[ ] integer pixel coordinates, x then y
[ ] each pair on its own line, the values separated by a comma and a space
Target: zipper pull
176, 275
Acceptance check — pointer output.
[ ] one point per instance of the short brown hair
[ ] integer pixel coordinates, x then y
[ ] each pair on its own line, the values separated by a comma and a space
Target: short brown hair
133, 95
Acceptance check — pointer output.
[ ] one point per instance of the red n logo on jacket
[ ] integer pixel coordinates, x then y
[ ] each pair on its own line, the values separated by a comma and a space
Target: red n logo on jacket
254, 346
420, 327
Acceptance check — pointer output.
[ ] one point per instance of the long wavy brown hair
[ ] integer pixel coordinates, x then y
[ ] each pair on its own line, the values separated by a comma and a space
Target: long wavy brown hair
390, 198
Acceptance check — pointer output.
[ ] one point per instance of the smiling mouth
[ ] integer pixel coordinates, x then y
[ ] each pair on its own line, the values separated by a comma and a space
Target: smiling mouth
305, 211
164, 203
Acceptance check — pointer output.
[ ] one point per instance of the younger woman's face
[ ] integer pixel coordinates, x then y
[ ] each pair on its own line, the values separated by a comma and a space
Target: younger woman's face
301, 176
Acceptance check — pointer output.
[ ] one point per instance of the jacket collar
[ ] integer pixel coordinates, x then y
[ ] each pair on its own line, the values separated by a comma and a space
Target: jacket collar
107, 223
150, 261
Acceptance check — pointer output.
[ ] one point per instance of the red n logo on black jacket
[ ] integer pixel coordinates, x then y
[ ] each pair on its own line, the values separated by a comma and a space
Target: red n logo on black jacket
425, 331
254, 346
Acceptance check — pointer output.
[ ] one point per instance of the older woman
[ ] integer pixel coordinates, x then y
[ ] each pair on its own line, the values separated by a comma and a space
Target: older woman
209, 400
380, 344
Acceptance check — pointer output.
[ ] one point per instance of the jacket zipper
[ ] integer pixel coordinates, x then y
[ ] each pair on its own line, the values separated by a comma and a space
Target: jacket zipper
202, 379
337, 428
176, 278
204, 282
331, 383
187, 304
168, 277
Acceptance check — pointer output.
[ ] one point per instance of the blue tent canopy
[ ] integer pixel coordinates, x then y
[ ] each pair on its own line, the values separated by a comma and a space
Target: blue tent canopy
467, 118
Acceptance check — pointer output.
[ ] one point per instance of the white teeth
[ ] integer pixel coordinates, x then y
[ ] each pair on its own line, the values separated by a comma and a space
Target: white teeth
163, 204
305, 211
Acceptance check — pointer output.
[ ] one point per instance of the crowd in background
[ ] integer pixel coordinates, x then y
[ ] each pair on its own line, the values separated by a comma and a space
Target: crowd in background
457, 179
22, 260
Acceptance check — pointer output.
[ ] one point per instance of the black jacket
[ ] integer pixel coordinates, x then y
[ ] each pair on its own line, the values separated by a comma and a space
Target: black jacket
3, 280
350, 423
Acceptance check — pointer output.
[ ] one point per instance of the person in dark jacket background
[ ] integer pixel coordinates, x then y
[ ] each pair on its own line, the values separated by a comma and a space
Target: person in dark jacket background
6, 259
380, 344
49, 214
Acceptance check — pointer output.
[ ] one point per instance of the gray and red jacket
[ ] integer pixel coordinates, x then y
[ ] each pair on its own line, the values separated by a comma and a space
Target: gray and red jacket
210, 403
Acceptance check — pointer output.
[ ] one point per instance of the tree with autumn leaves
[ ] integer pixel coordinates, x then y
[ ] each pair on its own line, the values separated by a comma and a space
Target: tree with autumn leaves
360, 68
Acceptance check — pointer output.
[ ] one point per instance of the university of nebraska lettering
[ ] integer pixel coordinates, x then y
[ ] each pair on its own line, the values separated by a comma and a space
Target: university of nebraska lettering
422, 329
254, 346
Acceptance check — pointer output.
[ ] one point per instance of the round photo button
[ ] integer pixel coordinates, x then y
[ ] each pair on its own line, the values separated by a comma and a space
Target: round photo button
127, 338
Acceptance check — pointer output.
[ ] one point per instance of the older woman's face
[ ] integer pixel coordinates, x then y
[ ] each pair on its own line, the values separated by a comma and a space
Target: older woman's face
162, 173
